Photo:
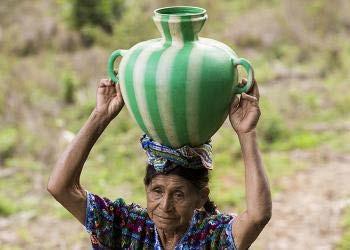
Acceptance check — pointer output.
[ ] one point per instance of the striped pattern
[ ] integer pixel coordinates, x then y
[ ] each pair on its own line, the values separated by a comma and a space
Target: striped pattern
178, 87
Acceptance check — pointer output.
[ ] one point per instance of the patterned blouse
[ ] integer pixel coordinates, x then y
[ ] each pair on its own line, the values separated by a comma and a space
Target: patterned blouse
116, 225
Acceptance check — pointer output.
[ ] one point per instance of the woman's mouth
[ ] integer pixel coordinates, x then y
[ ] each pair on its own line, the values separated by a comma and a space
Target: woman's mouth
165, 217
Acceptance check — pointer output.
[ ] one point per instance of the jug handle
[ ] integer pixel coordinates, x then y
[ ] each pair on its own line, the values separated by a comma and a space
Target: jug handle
250, 74
110, 66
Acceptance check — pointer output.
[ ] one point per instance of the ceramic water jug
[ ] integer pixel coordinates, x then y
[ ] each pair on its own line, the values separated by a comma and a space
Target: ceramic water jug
178, 87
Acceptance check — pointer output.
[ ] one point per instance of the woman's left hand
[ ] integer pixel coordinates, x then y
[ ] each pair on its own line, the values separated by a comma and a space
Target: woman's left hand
244, 111
109, 99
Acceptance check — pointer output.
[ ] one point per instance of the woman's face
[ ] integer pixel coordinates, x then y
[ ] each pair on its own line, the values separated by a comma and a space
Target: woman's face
171, 201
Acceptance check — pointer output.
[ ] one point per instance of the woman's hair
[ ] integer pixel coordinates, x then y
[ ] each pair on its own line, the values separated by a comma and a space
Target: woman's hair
198, 177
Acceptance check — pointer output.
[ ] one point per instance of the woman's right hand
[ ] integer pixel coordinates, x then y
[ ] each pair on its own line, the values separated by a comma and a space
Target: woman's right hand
245, 111
109, 99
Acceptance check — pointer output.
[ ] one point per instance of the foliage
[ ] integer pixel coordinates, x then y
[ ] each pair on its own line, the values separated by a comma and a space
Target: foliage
101, 13
69, 82
272, 127
302, 140
6, 206
8, 140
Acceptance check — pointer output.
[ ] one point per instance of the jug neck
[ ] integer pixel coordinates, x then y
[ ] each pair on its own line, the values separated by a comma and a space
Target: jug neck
180, 24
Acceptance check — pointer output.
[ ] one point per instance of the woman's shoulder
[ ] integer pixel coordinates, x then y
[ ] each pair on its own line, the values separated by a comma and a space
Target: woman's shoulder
118, 207
131, 208
118, 224
204, 219
211, 230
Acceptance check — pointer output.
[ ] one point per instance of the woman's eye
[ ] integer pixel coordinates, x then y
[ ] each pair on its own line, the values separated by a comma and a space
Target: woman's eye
178, 195
156, 193
157, 190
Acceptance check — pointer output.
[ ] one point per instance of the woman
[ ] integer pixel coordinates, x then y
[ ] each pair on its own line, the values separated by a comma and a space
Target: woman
179, 214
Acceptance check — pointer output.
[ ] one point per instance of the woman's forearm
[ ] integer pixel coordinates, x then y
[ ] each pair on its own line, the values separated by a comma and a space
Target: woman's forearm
258, 195
66, 173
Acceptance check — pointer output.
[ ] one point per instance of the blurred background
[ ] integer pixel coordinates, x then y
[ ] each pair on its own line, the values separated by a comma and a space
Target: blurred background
53, 53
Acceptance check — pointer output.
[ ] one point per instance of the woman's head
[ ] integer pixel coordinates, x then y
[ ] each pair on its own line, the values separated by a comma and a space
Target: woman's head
173, 196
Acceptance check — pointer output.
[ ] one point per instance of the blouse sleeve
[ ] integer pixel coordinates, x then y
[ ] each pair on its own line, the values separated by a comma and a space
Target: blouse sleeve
104, 220
221, 233
229, 234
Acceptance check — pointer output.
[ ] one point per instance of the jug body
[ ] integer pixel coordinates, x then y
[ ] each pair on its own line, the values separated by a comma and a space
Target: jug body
178, 88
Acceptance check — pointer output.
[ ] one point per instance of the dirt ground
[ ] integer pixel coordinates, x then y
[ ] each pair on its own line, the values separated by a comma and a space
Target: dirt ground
307, 213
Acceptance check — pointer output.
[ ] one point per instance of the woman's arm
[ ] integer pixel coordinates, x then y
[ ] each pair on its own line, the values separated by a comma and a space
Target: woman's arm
64, 182
244, 116
250, 223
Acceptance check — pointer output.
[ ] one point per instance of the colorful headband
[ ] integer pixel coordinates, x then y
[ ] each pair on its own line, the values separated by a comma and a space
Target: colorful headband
186, 156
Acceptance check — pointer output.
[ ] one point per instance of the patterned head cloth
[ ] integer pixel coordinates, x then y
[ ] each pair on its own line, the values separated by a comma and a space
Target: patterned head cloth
188, 157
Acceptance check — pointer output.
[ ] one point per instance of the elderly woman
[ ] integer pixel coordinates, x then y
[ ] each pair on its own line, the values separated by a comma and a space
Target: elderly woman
179, 214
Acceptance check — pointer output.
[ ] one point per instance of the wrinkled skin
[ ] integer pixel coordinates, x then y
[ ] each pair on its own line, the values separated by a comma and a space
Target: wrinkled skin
171, 201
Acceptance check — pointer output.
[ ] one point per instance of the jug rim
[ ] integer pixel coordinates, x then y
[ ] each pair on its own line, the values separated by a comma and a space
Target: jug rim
181, 11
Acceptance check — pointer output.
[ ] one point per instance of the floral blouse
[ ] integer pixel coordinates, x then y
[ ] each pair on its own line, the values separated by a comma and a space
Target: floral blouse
116, 225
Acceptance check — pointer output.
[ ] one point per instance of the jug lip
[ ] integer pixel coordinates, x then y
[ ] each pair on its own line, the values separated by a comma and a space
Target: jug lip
181, 11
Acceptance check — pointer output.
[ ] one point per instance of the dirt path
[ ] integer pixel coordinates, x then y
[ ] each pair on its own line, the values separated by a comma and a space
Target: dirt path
307, 213
44, 232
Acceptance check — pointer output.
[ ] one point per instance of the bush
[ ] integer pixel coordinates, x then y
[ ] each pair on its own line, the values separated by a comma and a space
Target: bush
6, 206
8, 141
69, 82
101, 13
272, 127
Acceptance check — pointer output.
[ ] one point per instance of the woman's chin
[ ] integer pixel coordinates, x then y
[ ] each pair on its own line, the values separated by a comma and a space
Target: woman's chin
166, 227
165, 223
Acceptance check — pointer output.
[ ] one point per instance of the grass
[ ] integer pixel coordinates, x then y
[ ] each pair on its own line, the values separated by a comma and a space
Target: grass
7, 207
344, 243
8, 140
302, 140
338, 143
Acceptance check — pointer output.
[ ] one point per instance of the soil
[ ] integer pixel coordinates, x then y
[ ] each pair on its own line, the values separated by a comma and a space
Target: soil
307, 213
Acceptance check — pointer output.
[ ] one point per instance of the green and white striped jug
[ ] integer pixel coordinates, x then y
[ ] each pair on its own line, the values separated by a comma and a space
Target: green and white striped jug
178, 87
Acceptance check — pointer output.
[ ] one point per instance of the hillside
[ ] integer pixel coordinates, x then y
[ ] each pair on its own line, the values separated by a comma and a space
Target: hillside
49, 70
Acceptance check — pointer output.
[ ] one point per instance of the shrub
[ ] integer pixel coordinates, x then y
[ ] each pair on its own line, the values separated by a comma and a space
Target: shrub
272, 127
6, 206
8, 141
69, 82
101, 13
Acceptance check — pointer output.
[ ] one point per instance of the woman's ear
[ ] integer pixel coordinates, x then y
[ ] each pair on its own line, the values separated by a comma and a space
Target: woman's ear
203, 197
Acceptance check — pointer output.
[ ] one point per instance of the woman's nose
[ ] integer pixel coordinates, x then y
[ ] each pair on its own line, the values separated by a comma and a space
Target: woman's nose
166, 203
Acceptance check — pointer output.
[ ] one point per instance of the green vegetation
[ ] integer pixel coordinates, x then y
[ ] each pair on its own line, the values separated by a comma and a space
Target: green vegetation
70, 83
49, 75
345, 241
103, 13
8, 138
6, 207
